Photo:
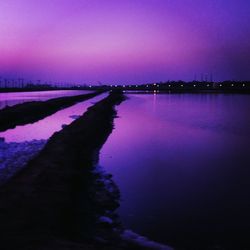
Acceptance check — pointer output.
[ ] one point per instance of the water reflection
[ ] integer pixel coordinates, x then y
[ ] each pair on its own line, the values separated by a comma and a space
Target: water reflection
13, 98
44, 128
182, 165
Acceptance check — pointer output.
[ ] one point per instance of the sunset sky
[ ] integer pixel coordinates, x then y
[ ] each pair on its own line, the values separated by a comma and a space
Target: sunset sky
124, 41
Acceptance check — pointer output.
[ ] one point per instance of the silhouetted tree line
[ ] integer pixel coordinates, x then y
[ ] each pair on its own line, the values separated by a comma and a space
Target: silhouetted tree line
21, 85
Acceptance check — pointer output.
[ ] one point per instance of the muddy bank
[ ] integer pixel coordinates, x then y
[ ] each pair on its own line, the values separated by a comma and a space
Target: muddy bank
31, 112
58, 201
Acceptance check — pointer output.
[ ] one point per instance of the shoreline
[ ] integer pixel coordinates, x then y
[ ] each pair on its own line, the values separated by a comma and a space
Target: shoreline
229, 86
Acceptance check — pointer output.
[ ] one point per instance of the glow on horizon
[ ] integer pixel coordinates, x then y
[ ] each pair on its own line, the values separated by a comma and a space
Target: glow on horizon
124, 41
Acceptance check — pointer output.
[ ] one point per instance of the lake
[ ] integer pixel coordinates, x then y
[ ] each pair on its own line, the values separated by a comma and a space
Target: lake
182, 163
13, 98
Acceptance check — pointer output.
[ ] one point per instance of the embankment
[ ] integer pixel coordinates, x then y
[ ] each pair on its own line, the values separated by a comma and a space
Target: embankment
59, 200
31, 112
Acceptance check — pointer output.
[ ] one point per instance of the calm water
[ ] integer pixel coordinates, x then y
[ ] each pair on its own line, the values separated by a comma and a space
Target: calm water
44, 128
14, 98
182, 163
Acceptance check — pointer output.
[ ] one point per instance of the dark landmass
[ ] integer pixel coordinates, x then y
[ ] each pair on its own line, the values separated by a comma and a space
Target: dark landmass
169, 87
57, 200
185, 87
30, 112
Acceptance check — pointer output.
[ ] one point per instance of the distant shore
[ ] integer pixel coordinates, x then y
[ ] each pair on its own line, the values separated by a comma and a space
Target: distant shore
164, 87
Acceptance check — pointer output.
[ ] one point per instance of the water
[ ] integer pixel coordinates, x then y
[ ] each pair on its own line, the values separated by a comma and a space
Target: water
13, 98
44, 128
182, 162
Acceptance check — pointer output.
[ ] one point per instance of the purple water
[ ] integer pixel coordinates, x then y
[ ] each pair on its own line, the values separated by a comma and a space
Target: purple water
182, 163
44, 128
13, 98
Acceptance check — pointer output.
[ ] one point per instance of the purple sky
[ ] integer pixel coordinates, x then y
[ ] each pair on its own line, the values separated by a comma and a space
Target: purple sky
124, 41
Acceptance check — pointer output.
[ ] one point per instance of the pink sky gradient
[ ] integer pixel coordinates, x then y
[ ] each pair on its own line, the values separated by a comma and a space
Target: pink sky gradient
132, 41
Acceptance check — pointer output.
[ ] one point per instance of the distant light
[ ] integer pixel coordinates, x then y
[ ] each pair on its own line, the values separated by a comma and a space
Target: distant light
181, 85
243, 85
111, 85
123, 86
169, 85
90, 86
158, 86
136, 86
115, 85
232, 85
194, 85
154, 84
208, 85
147, 86
220, 85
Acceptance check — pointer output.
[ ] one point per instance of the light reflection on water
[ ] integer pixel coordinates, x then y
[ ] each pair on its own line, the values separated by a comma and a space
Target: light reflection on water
13, 98
44, 128
181, 162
